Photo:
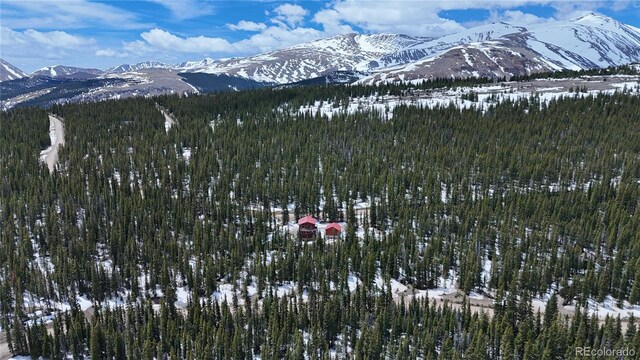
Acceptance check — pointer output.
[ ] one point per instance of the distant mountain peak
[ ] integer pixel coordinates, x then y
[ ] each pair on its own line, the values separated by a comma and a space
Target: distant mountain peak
594, 18
139, 66
62, 71
592, 15
46, 68
9, 72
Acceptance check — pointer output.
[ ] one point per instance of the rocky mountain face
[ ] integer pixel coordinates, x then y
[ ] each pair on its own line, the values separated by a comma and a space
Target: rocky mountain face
490, 50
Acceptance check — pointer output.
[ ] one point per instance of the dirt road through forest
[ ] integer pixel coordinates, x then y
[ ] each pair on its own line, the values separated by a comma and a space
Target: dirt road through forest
56, 134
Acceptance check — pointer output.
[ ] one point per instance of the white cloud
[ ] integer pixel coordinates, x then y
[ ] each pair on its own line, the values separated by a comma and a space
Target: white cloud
331, 21
515, 17
186, 9
164, 40
58, 39
619, 5
33, 49
290, 14
520, 18
277, 37
284, 33
111, 53
422, 17
67, 14
271, 38
415, 18
33, 39
247, 26
137, 47
569, 10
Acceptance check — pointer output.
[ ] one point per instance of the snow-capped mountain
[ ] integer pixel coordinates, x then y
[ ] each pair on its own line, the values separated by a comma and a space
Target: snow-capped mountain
494, 50
434, 46
194, 66
137, 67
61, 71
490, 50
590, 41
9, 72
310, 60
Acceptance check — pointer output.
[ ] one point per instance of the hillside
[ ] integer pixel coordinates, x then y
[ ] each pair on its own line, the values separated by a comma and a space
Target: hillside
473, 212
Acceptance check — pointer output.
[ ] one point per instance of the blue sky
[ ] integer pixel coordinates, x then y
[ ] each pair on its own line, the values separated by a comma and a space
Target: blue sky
38, 33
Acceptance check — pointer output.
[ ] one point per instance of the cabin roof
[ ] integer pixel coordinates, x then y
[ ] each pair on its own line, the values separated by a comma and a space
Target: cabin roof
334, 226
307, 220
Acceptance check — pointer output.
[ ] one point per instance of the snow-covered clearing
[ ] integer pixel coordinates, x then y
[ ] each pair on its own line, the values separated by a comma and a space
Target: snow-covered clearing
488, 95
361, 209
56, 134
608, 308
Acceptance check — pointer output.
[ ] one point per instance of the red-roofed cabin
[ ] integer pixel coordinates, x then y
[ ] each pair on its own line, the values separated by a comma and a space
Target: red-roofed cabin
332, 230
307, 227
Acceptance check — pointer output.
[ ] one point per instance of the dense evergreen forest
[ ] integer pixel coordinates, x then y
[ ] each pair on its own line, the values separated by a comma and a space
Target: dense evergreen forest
524, 200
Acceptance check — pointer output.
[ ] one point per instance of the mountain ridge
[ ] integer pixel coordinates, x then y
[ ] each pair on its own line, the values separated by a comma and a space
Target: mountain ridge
588, 41
496, 50
63, 71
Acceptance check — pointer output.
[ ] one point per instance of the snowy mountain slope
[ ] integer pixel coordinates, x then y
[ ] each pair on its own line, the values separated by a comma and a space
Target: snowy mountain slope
61, 71
432, 47
9, 72
44, 90
490, 50
194, 66
497, 49
591, 41
310, 60
123, 68
490, 59
350, 52
337, 77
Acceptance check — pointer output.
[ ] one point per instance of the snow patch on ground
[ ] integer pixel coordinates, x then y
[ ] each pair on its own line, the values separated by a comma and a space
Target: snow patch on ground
186, 154
183, 296
488, 95
610, 308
